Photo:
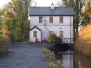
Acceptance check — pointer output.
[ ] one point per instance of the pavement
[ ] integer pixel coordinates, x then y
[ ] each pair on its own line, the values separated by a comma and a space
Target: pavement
25, 56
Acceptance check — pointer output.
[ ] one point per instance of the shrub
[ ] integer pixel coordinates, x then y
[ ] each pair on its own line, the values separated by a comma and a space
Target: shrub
54, 39
4, 45
58, 40
83, 42
12, 37
51, 59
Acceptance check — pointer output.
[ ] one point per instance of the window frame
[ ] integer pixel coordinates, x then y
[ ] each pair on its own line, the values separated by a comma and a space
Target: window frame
40, 21
34, 34
51, 17
61, 35
61, 17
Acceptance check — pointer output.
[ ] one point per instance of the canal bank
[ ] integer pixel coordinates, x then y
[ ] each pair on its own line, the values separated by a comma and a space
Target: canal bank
73, 59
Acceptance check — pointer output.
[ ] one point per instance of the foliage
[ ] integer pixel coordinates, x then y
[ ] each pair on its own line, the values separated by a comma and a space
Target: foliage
83, 42
16, 18
77, 6
1, 33
4, 45
8, 20
51, 58
12, 37
86, 14
54, 39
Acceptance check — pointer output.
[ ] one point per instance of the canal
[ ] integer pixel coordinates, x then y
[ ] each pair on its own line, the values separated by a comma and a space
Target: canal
73, 59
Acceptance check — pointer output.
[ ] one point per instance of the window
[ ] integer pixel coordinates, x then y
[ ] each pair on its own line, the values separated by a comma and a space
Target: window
61, 33
40, 19
51, 19
35, 34
61, 19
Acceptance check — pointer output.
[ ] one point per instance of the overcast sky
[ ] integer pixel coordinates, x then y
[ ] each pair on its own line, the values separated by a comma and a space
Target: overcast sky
39, 2
45, 2
3, 2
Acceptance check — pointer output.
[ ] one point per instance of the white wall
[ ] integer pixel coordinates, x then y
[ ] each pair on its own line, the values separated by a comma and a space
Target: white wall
56, 26
56, 30
32, 39
66, 20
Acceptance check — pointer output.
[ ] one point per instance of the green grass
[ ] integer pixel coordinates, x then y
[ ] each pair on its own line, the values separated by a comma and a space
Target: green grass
20, 42
51, 59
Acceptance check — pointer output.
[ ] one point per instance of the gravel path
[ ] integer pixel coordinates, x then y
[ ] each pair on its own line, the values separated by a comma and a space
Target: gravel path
25, 56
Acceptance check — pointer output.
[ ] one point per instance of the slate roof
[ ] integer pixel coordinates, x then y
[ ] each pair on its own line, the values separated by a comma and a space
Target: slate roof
35, 27
46, 11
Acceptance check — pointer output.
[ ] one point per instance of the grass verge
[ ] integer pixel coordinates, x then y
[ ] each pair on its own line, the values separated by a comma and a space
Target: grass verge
51, 59
4, 46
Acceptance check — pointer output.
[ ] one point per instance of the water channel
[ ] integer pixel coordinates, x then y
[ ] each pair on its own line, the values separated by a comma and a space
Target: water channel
73, 59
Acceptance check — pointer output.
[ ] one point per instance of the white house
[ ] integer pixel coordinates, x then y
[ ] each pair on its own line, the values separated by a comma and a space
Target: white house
47, 19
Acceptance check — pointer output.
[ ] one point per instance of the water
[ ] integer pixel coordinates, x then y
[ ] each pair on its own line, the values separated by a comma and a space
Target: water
73, 59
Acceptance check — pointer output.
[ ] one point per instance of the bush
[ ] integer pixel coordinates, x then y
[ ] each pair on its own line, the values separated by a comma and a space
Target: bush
12, 37
83, 42
4, 45
51, 58
54, 39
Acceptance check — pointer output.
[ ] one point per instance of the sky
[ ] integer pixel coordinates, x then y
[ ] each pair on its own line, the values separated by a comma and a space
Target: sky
3, 2
39, 2
44, 3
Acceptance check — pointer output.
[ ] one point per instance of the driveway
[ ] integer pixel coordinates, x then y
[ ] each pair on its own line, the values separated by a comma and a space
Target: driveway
25, 56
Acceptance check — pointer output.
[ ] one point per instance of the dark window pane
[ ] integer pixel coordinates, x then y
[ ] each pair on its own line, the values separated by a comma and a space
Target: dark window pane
51, 19
61, 19
35, 34
40, 19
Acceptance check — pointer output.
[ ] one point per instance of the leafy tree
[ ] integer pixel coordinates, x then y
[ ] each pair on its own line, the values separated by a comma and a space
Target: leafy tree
16, 18
8, 20
77, 5
83, 42
20, 8
0, 25
4, 43
86, 14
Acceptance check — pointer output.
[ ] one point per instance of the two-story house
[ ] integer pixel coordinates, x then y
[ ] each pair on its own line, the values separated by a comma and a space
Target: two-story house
51, 19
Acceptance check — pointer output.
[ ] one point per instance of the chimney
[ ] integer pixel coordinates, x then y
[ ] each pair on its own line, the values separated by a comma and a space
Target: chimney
52, 6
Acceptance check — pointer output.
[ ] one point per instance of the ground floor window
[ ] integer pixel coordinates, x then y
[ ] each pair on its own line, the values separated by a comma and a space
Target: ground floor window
61, 33
34, 33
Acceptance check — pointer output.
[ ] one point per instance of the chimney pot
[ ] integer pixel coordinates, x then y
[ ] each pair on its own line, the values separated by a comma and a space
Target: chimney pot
52, 5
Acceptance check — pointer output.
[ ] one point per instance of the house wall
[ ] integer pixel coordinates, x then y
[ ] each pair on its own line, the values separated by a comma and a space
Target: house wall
66, 20
32, 39
56, 26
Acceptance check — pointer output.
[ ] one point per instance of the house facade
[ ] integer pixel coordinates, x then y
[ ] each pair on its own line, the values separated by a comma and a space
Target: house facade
45, 20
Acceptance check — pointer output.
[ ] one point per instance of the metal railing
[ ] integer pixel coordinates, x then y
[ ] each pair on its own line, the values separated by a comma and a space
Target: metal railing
68, 40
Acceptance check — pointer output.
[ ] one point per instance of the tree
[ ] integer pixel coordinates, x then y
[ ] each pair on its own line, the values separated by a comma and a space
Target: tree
0, 25
83, 42
77, 5
20, 8
8, 20
15, 17
86, 13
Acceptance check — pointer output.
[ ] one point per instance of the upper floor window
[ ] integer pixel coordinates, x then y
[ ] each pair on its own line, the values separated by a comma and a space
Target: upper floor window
61, 33
51, 19
40, 19
61, 19
34, 33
